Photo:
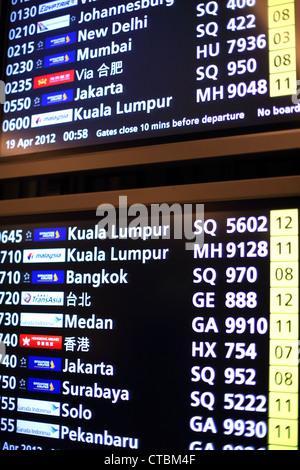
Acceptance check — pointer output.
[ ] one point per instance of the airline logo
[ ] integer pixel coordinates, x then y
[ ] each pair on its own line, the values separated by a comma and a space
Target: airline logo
50, 234
42, 298
43, 385
58, 98
48, 277
50, 7
57, 78
32, 428
59, 59
40, 341
42, 320
45, 26
49, 119
41, 407
47, 255
61, 40
44, 363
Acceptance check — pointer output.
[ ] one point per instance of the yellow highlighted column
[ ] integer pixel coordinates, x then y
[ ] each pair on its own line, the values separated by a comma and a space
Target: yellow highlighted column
282, 47
284, 330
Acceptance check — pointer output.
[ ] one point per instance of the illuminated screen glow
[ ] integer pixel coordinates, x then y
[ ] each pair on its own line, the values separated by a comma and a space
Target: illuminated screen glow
120, 343
80, 74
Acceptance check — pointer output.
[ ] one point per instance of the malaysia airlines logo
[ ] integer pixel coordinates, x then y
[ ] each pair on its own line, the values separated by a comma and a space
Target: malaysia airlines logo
47, 255
52, 118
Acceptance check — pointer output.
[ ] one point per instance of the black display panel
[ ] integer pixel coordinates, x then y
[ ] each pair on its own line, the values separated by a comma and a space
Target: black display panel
87, 73
110, 342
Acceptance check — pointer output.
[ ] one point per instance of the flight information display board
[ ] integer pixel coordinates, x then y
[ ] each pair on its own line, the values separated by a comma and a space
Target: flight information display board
124, 339
81, 73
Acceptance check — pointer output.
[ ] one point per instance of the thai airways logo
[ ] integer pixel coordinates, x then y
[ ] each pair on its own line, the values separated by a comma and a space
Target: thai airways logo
40, 341
44, 363
50, 7
48, 277
33, 428
43, 385
47, 255
55, 23
49, 234
61, 40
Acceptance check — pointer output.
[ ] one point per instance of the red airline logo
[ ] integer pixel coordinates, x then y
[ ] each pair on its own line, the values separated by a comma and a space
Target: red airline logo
38, 341
54, 79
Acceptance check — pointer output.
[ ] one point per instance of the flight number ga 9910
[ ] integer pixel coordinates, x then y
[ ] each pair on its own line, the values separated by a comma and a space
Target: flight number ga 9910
251, 325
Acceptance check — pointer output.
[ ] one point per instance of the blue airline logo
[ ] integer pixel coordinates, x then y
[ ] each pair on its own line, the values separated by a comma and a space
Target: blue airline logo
51, 7
48, 277
58, 97
43, 385
44, 363
61, 40
59, 59
50, 234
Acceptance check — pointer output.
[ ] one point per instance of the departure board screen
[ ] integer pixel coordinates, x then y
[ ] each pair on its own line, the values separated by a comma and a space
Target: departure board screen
124, 337
81, 73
